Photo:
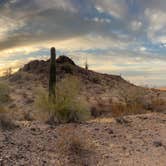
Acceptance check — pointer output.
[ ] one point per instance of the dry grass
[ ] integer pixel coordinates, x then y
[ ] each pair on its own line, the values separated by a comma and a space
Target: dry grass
158, 105
121, 109
133, 103
136, 103
75, 145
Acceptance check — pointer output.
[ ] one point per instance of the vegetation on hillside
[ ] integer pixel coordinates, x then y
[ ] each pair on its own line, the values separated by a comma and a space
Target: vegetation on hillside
66, 106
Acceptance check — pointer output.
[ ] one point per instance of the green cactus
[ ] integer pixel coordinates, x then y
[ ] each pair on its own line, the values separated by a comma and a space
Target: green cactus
86, 64
52, 79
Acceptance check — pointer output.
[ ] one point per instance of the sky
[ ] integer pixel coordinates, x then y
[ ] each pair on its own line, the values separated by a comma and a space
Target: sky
123, 37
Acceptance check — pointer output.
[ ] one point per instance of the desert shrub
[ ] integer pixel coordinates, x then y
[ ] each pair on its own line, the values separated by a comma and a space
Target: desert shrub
68, 68
27, 116
6, 123
122, 109
136, 101
76, 144
67, 106
158, 104
4, 93
133, 102
100, 110
95, 112
96, 80
133, 95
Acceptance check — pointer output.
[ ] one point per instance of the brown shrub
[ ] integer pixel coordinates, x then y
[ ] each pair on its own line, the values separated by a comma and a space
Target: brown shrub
96, 80
76, 145
121, 109
158, 105
6, 123
4, 93
95, 112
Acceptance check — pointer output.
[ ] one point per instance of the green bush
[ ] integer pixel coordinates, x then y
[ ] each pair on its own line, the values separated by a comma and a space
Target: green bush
67, 106
4, 93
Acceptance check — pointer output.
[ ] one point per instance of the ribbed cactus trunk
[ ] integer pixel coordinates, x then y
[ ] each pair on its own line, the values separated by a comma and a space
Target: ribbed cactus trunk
86, 64
52, 79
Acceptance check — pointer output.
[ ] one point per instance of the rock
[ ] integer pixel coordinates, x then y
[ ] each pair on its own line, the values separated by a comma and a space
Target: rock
157, 143
143, 117
96, 129
64, 59
110, 131
29, 101
121, 120
12, 106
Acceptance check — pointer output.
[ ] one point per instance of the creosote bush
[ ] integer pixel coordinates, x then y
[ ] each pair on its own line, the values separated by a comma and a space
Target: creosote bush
67, 106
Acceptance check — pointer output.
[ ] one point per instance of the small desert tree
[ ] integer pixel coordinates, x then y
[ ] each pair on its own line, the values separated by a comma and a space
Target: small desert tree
86, 64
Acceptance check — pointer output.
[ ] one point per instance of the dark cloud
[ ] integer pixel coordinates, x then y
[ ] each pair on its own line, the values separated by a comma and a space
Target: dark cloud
59, 20
57, 24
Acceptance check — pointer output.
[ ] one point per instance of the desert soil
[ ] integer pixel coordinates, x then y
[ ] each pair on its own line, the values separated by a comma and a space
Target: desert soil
138, 140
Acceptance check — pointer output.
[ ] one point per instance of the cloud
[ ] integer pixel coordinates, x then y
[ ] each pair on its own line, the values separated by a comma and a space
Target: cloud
115, 8
122, 34
41, 21
157, 25
8, 25
136, 25
58, 24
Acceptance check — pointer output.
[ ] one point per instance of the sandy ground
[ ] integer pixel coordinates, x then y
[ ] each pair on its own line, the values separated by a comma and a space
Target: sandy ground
138, 140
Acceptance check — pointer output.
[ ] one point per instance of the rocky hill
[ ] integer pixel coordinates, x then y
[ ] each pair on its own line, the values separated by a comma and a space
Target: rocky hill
99, 90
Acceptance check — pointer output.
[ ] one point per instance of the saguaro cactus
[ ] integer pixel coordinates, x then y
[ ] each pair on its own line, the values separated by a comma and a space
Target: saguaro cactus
86, 64
52, 77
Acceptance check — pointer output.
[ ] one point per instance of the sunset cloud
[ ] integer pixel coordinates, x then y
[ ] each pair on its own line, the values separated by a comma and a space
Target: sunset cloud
118, 36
